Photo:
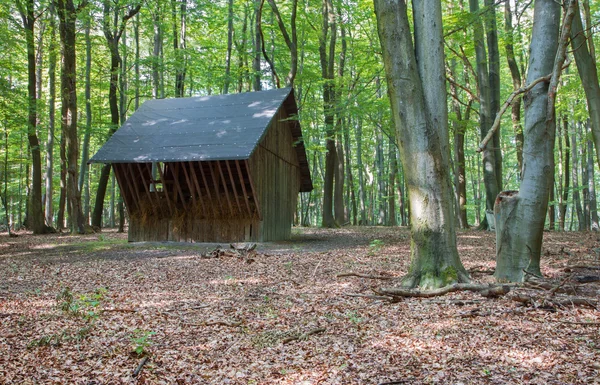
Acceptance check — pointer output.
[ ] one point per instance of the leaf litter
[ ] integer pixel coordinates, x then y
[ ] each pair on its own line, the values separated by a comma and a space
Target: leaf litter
97, 310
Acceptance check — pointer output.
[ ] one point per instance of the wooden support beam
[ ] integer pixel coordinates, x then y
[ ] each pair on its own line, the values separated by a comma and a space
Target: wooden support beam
215, 183
189, 183
195, 179
178, 186
241, 176
235, 193
212, 203
131, 178
225, 187
155, 209
164, 184
253, 189
126, 192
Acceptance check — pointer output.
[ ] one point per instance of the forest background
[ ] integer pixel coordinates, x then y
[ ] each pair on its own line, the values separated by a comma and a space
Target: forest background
71, 74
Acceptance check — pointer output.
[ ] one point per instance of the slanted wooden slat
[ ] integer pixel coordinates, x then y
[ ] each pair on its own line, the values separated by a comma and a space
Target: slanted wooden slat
235, 193
126, 192
241, 176
225, 187
189, 183
178, 186
253, 190
212, 204
215, 183
166, 193
155, 208
195, 179
132, 185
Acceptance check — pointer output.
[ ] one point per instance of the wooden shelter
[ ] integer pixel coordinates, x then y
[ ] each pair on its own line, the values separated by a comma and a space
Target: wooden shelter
223, 168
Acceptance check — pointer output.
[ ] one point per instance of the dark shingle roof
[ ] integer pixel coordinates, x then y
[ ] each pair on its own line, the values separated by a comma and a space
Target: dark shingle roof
220, 127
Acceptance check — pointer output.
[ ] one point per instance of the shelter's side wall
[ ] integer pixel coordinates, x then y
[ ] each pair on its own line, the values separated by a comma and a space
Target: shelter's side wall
275, 172
193, 230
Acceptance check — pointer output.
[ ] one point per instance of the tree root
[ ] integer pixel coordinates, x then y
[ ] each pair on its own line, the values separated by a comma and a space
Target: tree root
489, 291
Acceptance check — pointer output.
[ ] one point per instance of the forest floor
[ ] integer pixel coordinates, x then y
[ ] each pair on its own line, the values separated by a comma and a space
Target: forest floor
93, 309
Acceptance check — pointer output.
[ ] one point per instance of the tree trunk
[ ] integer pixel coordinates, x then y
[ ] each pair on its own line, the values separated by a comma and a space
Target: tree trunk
586, 66
592, 186
67, 20
575, 177
113, 29
585, 192
391, 193
229, 46
327, 72
565, 158
516, 79
490, 163
518, 249
85, 150
257, 47
494, 81
361, 180
35, 212
416, 93
49, 213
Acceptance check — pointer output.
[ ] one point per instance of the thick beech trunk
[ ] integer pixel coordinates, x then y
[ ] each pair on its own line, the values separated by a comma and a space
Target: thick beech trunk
416, 92
517, 248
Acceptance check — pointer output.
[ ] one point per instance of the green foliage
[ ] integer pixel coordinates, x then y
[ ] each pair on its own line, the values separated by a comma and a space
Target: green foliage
375, 246
141, 341
84, 305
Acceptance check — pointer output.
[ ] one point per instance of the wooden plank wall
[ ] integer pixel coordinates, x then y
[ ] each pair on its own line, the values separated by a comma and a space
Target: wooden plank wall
198, 202
275, 173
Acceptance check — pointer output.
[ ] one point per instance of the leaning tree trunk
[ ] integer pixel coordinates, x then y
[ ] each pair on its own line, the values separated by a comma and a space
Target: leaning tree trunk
521, 215
586, 66
416, 93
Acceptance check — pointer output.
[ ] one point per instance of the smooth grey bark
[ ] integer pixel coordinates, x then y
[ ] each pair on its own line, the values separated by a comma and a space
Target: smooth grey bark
592, 187
256, 70
486, 118
416, 87
361, 180
586, 66
229, 46
49, 208
516, 79
516, 249
85, 148
327, 60
564, 155
575, 176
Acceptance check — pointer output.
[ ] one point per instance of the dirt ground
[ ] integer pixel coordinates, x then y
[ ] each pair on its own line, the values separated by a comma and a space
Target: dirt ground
93, 309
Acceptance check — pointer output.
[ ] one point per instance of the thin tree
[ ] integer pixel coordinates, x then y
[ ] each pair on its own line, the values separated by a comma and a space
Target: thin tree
113, 27
36, 213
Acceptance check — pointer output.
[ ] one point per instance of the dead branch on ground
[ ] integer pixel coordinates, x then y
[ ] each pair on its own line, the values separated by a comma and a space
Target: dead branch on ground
303, 336
351, 274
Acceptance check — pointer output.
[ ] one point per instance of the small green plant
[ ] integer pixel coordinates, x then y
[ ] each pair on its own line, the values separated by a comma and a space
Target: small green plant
84, 305
289, 267
102, 238
141, 340
375, 246
354, 317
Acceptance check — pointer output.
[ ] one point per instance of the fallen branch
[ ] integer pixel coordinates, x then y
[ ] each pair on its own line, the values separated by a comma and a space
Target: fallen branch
139, 368
569, 268
484, 290
368, 296
223, 323
554, 302
364, 276
303, 336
